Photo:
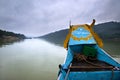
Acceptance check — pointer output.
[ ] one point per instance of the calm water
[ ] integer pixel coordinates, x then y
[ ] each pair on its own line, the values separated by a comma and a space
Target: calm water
35, 59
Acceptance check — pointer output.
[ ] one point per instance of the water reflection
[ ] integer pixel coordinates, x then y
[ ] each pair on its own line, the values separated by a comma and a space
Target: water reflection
3, 43
32, 59
112, 47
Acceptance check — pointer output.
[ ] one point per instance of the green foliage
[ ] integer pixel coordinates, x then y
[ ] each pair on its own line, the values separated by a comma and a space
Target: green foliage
9, 37
6, 33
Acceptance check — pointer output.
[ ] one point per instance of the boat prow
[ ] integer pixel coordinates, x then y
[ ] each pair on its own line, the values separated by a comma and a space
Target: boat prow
86, 60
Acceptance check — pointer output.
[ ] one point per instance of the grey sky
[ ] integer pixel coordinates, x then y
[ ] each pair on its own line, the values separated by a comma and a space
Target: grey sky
39, 17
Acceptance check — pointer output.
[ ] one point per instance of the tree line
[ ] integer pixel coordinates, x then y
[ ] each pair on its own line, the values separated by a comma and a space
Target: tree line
7, 33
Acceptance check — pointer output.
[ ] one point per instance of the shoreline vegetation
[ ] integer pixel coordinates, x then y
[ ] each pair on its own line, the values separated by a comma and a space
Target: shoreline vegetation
7, 37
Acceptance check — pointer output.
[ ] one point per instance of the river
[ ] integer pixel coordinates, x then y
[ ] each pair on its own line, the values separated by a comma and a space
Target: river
36, 59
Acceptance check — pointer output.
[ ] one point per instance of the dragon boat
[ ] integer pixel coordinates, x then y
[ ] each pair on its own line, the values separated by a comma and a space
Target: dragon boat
86, 60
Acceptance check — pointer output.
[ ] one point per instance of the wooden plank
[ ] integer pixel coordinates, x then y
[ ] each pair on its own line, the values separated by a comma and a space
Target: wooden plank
92, 67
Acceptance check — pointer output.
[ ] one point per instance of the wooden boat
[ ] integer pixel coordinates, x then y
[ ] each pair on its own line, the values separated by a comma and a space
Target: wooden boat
86, 60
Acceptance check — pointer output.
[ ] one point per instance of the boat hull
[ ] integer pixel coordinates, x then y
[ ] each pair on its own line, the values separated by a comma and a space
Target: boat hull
85, 59
91, 75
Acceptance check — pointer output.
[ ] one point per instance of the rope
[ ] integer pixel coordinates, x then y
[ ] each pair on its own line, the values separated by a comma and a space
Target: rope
81, 57
91, 63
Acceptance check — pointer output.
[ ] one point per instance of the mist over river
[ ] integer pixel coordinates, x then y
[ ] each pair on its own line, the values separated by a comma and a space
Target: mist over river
36, 59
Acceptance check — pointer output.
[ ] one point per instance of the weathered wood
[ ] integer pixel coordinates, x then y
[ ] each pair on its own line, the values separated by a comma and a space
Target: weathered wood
90, 66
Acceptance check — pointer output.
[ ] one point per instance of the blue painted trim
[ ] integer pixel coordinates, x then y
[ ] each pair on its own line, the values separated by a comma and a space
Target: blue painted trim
103, 56
96, 75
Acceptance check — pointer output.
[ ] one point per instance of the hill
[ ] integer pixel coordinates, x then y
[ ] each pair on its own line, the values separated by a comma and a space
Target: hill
107, 31
9, 37
56, 37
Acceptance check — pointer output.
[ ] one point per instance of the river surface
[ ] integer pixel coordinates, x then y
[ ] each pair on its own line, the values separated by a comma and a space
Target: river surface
36, 59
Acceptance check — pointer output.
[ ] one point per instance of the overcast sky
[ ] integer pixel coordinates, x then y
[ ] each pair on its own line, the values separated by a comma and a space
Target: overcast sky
39, 17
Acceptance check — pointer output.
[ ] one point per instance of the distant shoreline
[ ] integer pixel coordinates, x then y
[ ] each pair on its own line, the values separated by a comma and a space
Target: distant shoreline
7, 37
9, 40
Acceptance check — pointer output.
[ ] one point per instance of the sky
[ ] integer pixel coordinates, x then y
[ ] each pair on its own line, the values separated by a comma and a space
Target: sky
40, 17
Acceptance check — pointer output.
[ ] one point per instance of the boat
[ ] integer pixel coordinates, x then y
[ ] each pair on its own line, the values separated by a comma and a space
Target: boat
86, 59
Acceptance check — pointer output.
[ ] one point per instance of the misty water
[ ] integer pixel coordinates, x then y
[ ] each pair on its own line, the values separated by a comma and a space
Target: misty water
36, 59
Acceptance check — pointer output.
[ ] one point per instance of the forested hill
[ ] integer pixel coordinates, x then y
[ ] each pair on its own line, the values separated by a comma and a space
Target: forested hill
107, 31
9, 37
7, 33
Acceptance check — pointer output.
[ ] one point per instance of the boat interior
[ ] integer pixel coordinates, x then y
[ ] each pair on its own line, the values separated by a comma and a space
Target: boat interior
90, 65
85, 59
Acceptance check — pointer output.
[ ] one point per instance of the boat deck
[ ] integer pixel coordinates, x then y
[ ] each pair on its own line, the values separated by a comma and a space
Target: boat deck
94, 65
